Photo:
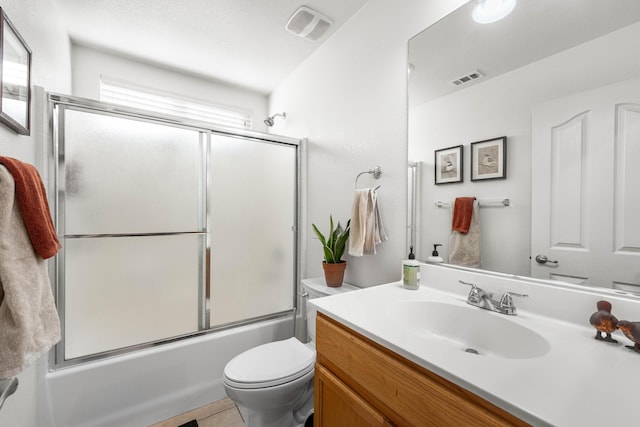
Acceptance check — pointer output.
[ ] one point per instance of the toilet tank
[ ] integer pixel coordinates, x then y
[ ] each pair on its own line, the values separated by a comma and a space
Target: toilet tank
317, 288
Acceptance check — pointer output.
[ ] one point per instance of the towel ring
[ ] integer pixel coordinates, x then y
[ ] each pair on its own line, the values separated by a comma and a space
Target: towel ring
376, 172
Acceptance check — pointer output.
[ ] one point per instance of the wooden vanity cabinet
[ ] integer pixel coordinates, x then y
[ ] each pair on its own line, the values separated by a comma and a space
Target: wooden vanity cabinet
361, 383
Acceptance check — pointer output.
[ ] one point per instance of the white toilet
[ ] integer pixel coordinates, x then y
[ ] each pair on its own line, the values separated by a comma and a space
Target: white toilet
273, 383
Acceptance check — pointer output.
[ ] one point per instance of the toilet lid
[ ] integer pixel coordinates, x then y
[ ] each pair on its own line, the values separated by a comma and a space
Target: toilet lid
270, 364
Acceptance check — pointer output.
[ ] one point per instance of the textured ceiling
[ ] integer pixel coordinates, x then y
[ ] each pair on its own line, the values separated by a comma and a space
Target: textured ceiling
239, 42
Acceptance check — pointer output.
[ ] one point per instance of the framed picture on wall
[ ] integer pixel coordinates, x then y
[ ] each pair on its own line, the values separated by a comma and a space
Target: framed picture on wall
448, 165
489, 159
15, 78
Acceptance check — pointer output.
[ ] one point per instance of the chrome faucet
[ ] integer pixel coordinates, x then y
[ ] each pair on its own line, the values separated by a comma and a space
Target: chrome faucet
483, 299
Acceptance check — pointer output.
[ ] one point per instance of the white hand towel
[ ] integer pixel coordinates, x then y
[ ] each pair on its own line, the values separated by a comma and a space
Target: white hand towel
29, 323
367, 229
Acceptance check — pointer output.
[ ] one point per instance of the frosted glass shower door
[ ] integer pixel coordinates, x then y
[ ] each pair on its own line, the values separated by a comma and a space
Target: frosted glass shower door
124, 291
125, 176
253, 236
131, 211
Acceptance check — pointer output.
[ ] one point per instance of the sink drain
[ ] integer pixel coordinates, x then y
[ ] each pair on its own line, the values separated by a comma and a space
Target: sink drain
471, 350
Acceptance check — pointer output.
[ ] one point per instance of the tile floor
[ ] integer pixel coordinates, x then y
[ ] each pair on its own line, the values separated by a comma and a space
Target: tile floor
223, 413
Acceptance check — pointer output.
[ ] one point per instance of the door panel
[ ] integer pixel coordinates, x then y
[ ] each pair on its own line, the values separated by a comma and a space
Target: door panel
627, 178
568, 164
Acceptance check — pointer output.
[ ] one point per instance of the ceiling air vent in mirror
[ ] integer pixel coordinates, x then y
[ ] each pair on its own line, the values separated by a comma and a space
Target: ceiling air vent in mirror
467, 78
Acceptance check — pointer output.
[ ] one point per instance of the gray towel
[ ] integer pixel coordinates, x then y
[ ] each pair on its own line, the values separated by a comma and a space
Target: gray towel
464, 249
29, 323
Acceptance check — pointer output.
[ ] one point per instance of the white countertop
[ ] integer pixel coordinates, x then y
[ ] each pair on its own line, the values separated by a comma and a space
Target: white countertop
579, 382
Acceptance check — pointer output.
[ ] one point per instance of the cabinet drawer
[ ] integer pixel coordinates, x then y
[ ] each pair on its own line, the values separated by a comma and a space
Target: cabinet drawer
401, 390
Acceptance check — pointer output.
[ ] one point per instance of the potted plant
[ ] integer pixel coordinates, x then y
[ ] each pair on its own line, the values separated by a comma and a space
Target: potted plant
334, 246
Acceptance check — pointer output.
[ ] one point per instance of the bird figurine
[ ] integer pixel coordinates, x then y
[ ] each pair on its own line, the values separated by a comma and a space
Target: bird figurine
604, 322
632, 331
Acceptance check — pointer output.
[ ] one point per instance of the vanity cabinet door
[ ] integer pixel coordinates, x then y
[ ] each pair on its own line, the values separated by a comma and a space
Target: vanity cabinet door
336, 405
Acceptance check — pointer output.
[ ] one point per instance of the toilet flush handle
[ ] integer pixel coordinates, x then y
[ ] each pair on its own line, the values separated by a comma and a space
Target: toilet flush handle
304, 296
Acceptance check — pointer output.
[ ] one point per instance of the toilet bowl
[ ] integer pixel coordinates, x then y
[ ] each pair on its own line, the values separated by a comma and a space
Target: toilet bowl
272, 384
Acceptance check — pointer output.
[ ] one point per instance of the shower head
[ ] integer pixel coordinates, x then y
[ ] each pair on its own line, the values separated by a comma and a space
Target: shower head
270, 120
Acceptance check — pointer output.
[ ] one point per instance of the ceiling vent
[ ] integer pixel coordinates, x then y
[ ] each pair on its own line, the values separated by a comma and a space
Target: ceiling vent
467, 78
308, 24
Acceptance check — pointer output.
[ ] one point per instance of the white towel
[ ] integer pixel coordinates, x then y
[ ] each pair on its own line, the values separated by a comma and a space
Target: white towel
464, 249
29, 323
367, 229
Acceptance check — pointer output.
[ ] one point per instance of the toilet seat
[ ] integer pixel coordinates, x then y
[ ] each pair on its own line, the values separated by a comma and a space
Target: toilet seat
269, 365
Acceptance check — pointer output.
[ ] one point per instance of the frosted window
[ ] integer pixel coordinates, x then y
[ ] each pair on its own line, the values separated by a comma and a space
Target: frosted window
253, 188
162, 102
122, 291
127, 176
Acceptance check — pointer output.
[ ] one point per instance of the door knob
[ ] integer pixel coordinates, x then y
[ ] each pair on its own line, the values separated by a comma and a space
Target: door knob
542, 259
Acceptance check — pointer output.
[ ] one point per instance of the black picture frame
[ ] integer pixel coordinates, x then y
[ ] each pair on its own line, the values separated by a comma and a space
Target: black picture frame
448, 164
15, 78
489, 159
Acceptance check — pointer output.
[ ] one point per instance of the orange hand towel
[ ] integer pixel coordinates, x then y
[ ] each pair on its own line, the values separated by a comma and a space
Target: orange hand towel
32, 200
462, 212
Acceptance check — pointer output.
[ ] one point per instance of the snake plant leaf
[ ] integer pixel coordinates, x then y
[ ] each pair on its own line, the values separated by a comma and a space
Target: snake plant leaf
328, 254
341, 241
331, 241
319, 234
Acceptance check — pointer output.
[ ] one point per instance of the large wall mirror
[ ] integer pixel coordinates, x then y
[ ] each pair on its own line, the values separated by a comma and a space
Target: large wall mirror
561, 80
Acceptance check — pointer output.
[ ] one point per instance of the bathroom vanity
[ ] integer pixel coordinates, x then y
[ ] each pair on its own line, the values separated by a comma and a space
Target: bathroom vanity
359, 382
391, 356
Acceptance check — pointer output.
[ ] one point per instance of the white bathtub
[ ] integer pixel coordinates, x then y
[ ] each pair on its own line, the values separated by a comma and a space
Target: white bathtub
148, 386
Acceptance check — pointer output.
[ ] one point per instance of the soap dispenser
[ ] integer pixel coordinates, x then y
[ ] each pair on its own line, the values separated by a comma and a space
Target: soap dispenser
411, 271
435, 258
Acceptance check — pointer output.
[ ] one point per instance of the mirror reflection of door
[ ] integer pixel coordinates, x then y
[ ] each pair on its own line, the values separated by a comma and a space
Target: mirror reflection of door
586, 187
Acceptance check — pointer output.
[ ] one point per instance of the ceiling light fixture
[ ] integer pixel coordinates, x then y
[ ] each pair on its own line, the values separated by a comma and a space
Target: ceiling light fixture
488, 11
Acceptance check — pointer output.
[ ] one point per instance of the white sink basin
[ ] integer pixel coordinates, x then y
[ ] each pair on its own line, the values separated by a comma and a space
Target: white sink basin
469, 328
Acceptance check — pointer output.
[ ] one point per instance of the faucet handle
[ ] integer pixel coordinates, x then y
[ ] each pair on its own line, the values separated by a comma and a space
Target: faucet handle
467, 283
474, 287
475, 293
506, 302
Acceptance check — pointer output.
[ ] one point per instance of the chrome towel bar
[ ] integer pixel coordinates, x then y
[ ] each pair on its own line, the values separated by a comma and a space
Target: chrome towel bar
483, 203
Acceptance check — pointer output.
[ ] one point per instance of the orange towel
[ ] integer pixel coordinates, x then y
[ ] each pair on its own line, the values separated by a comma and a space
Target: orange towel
462, 212
32, 200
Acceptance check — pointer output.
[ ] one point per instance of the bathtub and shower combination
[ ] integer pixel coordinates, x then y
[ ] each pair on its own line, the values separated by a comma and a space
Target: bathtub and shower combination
179, 251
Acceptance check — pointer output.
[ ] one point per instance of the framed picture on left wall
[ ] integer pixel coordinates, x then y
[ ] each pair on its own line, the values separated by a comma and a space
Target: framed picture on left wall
15, 78
448, 165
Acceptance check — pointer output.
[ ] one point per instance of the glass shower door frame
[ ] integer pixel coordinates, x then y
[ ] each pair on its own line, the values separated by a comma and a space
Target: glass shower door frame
59, 104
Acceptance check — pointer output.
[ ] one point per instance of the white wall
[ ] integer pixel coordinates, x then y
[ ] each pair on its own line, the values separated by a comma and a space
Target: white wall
39, 24
475, 114
502, 107
349, 100
89, 65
